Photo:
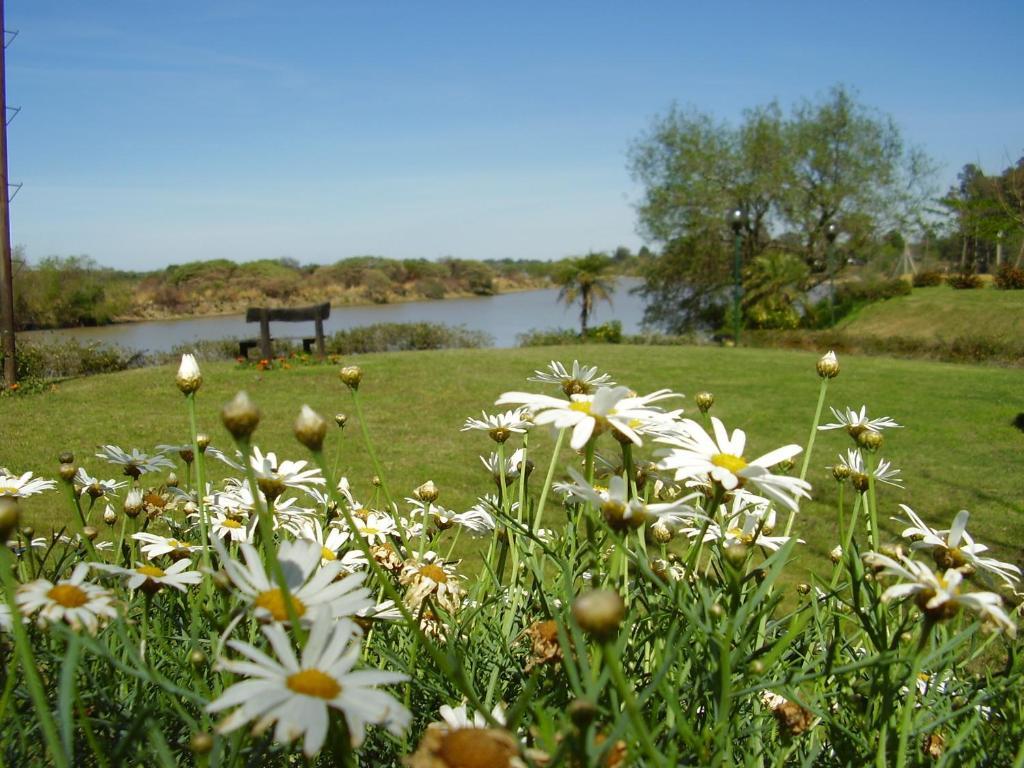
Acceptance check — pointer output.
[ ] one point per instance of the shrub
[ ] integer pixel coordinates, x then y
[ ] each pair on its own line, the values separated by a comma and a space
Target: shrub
64, 359
1010, 278
395, 337
928, 279
430, 288
965, 281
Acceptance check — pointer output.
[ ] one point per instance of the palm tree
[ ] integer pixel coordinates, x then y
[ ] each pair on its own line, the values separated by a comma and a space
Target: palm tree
585, 278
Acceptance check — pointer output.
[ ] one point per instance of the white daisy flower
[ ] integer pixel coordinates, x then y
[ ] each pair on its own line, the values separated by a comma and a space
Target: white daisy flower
135, 463
884, 472
580, 380
750, 528
622, 512
454, 718
272, 476
149, 578
94, 487
332, 541
5, 617
295, 694
20, 486
513, 466
938, 596
720, 460
310, 585
500, 426
856, 422
954, 548
589, 415
73, 601
154, 546
232, 527
376, 528
430, 576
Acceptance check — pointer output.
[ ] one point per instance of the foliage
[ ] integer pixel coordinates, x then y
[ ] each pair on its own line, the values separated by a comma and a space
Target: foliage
67, 292
1010, 278
828, 163
587, 279
987, 214
928, 279
772, 290
394, 337
64, 359
605, 333
627, 627
965, 281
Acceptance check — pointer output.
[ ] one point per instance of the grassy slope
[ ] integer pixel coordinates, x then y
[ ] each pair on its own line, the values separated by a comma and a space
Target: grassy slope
943, 313
958, 449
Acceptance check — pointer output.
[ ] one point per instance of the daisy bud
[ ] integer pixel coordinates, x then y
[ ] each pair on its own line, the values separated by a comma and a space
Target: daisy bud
860, 481
67, 457
201, 743
90, 533
836, 555
351, 375
203, 441
341, 419
222, 581
704, 401
756, 667
190, 508
109, 515
28, 532
172, 480
189, 378
599, 613
197, 658
240, 416
792, 718
717, 611
661, 533
736, 554
375, 481
133, 503
310, 429
582, 712
870, 440
828, 365
67, 471
933, 745
186, 455
9, 514
803, 589
427, 492
841, 472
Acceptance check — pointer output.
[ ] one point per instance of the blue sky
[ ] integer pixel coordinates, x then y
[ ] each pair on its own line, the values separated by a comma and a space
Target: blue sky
154, 133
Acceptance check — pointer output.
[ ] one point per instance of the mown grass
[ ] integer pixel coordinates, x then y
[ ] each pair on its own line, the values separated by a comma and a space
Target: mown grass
942, 312
958, 450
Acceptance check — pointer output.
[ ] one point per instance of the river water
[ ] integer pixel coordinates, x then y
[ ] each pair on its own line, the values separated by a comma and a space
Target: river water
502, 317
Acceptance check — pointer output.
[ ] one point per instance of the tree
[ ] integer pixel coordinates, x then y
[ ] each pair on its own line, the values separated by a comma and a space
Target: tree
833, 161
585, 279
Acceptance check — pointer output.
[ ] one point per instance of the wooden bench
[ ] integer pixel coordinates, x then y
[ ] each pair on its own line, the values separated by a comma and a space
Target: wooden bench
264, 315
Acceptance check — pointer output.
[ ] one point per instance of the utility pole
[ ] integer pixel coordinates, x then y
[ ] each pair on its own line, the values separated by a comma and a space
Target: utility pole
6, 270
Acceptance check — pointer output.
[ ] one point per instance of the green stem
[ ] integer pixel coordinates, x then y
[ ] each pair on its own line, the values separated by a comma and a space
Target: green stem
369, 448
200, 482
810, 445
911, 701
614, 666
547, 481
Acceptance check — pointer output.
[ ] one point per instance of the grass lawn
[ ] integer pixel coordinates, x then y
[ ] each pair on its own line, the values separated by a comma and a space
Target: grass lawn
958, 450
942, 312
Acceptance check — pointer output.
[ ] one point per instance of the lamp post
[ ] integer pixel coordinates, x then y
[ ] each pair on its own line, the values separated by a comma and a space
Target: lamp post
737, 220
831, 232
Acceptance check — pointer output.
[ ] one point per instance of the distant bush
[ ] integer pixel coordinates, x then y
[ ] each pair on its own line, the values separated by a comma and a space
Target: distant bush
394, 337
873, 290
64, 359
928, 279
967, 348
376, 286
1010, 278
430, 288
965, 281
606, 333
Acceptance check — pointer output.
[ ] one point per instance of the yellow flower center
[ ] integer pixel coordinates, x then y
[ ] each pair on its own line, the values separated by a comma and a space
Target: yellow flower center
583, 406
313, 682
272, 601
175, 543
435, 573
9, 489
229, 523
367, 531
327, 554
151, 571
68, 595
727, 461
